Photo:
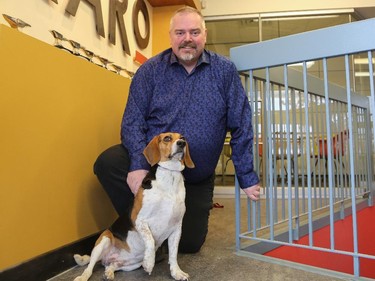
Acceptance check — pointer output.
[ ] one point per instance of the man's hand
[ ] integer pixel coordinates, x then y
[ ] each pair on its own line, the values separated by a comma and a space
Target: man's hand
252, 192
135, 179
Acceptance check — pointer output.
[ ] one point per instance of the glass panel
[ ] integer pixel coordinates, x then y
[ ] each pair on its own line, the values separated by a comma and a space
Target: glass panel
279, 27
361, 76
226, 34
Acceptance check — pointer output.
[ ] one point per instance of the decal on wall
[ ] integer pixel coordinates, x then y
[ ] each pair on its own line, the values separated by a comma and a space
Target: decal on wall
140, 6
15, 22
139, 58
117, 10
89, 55
72, 8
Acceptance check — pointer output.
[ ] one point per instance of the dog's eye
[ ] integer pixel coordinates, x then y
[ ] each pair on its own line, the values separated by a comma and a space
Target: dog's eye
167, 139
183, 138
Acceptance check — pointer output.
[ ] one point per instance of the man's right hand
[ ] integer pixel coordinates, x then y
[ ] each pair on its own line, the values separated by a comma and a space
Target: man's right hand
135, 179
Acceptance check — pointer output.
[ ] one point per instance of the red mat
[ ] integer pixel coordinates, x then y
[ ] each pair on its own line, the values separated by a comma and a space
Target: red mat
343, 241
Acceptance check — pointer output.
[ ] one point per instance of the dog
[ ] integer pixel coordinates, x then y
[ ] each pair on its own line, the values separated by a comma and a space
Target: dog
156, 215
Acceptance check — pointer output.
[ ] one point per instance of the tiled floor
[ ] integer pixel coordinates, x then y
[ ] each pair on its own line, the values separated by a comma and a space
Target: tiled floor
217, 259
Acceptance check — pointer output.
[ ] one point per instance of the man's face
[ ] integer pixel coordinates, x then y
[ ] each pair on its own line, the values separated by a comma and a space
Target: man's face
188, 37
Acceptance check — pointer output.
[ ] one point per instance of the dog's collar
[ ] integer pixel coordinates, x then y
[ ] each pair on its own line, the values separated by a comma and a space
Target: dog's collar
174, 166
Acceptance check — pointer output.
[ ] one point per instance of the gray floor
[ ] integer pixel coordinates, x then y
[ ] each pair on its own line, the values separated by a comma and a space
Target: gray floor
217, 259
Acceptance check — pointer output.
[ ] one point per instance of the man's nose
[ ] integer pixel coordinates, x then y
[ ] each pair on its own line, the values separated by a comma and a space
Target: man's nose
187, 36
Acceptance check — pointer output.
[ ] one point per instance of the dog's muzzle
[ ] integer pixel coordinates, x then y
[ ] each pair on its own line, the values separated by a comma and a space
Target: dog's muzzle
181, 144
179, 152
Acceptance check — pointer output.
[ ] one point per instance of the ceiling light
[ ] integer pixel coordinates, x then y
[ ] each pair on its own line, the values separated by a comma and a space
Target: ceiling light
308, 64
299, 18
363, 74
363, 60
281, 15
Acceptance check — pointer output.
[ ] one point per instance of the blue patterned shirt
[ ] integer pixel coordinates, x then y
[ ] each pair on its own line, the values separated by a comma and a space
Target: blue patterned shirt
202, 105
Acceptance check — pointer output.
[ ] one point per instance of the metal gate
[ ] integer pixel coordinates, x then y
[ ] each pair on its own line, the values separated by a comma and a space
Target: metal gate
312, 96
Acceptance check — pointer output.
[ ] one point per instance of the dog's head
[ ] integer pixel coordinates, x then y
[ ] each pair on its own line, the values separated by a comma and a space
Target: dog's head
166, 147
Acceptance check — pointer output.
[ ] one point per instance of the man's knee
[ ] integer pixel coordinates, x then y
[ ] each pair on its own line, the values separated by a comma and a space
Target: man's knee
111, 168
109, 160
100, 164
191, 246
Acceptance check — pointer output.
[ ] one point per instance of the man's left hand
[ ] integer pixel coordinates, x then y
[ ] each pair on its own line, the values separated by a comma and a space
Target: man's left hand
253, 192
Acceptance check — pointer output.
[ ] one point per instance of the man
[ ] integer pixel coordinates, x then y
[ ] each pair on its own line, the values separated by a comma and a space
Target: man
197, 93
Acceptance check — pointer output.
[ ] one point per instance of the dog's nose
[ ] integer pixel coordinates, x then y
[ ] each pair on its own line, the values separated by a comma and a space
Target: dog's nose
181, 143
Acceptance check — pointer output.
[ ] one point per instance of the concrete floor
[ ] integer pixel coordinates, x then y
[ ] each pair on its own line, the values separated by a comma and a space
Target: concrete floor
217, 259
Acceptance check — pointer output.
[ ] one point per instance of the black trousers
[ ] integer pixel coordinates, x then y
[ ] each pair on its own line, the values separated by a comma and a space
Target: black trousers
112, 168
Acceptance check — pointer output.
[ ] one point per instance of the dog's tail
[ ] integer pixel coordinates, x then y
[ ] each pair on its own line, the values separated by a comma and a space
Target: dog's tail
82, 260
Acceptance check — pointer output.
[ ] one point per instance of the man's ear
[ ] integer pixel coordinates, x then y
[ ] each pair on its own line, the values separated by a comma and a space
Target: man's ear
152, 152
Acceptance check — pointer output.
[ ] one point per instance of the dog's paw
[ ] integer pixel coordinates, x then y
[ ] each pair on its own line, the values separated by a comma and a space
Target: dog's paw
109, 274
81, 260
80, 278
148, 265
178, 274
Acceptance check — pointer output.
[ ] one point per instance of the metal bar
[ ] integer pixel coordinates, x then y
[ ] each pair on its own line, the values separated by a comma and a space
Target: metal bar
248, 214
329, 152
372, 91
248, 89
351, 153
314, 113
274, 208
258, 93
296, 195
316, 86
317, 161
254, 98
238, 214
289, 181
326, 250
308, 151
368, 129
270, 152
282, 158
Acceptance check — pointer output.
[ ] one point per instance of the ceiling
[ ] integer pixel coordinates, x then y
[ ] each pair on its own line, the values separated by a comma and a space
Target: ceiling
228, 33
162, 3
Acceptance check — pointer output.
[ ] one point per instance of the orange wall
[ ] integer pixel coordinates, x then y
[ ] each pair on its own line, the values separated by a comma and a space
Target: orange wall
160, 21
57, 113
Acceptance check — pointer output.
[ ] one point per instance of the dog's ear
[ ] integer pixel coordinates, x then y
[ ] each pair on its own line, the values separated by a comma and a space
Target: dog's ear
187, 159
152, 152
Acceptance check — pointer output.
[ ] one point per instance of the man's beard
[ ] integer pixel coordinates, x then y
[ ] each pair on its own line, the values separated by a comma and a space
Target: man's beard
187, 57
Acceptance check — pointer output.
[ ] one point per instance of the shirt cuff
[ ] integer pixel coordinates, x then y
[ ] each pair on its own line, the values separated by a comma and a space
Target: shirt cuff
138, 162
248, 180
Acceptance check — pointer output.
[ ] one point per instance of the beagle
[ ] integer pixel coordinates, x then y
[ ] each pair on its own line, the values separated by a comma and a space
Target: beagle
156, 215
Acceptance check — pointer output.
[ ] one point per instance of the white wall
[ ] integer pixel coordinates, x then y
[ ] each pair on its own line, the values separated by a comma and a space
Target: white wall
45, 15
237, 7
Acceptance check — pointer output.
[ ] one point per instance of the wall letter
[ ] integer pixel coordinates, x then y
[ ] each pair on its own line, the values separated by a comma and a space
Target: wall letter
117, 10
72, 7
140, 6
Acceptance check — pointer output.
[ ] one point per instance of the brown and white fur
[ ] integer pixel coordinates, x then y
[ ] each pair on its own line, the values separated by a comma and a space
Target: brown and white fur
156, 215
